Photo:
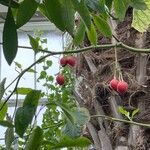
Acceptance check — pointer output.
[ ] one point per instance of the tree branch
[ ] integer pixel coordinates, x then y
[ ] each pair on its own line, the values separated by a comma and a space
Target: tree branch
122, 120
97, 47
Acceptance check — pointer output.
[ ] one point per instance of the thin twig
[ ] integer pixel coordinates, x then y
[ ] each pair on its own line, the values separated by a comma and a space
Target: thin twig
121, 120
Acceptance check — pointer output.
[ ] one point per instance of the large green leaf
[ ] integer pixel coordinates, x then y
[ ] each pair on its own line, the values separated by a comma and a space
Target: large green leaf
3, 111
9, 138
32, 98
81, 116
109, 3
26, 10
120, 7
66, 111
68, 16
23, 118
92, 35
141, 19
24, 115
35, 139
2, 88
14, 4
102, 26
72, 130
81, 8
80, 34
94, 5
138, 4
52, 9
10, 38
23, 90
60, 12
67, 142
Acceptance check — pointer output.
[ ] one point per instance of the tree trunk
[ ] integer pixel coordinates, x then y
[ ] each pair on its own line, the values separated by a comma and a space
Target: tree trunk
93, 92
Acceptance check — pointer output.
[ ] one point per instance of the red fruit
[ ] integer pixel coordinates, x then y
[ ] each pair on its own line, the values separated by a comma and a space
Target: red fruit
122, 87
71, 61
63, 61
113, 84
60, 79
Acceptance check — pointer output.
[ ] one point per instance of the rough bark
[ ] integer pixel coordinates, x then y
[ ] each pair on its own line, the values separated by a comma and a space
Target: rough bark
94, 74
136, 132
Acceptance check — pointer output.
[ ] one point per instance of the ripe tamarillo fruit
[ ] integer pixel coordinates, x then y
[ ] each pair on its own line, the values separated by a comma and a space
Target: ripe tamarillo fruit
114, 84
60, 79
122, 87
71, 61
63, 61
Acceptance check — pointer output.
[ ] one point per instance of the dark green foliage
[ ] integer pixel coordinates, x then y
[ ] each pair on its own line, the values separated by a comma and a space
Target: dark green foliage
10, 38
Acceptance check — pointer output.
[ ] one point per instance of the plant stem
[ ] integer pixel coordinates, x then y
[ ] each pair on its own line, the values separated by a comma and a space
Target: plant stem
121, 120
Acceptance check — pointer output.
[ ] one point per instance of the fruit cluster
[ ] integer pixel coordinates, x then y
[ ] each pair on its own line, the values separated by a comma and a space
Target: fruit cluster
119, 86
68, 60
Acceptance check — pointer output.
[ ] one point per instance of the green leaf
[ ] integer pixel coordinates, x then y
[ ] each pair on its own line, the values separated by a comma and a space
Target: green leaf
43, 75
18, 65
60, 12
72, 130
124, 112
24, 115
68, 16
23, 118
35, 139
141, 20
120, 7
81, 116
80, 34
31, 70
134, 112
81, 8
5, 123
14, 4
34, 43
49, 63
138, 4
3, 111
23, 90
10, 38
2, 88
67, 142
32, 98
26, 10
109, 3
9, 138
66, 111
92, 35
52, 9
102, 26
96, 5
